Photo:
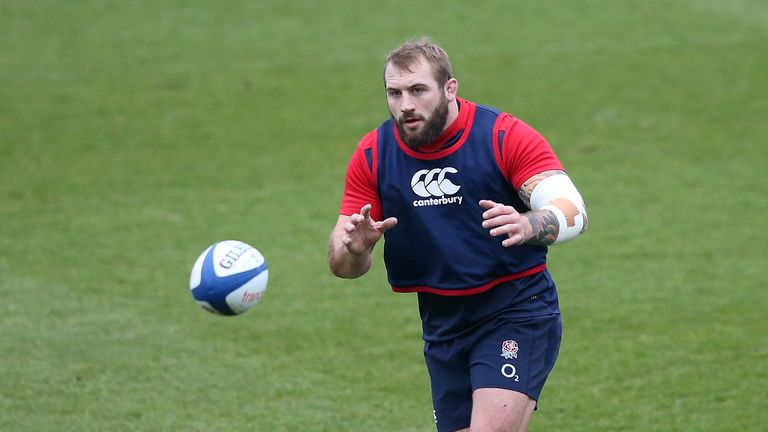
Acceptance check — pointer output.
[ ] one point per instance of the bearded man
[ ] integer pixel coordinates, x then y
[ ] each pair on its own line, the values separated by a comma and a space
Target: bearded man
467, 198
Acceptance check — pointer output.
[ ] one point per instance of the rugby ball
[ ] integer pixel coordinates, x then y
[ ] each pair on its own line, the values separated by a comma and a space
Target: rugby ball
229, 278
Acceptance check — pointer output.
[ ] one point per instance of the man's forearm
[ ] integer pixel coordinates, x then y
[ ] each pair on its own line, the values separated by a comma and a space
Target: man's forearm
558, 212
544, 227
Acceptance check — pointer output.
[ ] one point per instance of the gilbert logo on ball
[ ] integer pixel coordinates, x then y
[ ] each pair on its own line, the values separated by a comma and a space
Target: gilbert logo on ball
229, 278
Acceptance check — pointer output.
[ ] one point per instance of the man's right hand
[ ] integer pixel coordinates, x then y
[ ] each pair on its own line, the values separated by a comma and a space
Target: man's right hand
362, 232
353, 239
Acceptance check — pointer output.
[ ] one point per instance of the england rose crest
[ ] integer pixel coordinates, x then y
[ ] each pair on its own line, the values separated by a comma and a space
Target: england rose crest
509, 349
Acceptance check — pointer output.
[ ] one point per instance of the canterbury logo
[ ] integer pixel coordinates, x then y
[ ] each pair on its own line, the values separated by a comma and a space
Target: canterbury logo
432, 183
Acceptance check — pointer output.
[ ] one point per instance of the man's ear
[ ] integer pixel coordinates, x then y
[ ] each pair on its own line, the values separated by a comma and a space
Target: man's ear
451, 88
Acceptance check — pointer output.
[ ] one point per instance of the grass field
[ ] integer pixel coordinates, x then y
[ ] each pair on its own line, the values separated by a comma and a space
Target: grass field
135, 134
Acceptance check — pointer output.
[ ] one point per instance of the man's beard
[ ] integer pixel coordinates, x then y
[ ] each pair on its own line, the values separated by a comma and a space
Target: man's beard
431, 129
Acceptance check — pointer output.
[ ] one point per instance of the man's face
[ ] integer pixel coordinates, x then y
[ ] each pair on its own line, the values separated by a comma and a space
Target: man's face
416, 102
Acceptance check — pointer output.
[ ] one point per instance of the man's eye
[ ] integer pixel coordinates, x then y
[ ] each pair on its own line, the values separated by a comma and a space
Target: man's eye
393, 93
417, 91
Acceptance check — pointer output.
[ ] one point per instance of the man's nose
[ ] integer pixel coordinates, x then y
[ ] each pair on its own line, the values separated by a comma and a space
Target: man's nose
407, 104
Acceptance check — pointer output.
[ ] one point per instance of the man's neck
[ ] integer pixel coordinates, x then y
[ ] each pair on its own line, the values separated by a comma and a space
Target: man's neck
453, 114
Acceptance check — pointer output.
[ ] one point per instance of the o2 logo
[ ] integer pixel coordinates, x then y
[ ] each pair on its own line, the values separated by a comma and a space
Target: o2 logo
509, 371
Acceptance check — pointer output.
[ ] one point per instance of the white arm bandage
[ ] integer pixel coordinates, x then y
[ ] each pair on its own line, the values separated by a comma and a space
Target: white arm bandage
558, 194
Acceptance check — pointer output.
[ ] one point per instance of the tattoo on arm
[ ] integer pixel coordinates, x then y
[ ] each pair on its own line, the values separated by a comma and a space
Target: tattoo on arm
526, 189
545, 227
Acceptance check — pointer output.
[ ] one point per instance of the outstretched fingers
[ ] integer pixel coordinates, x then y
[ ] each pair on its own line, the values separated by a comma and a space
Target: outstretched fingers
497, 215
503, 220
356, 219
362, 232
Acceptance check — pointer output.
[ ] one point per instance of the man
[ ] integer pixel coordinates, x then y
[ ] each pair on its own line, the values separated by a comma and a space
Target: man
468, 199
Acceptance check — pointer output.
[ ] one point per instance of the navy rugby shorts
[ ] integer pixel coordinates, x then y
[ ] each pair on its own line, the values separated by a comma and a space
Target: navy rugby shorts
506, 352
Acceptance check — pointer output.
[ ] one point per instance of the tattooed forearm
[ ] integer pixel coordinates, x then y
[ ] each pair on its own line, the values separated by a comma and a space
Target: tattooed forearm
545, 227
526, 189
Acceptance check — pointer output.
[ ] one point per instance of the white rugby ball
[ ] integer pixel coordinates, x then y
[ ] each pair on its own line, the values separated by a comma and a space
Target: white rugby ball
229, 278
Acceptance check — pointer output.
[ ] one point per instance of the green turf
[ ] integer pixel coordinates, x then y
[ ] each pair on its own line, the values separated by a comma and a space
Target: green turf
135, 134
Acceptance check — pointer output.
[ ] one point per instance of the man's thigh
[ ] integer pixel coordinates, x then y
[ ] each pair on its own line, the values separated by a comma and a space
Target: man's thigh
510, 354
496, 409
451, 384
516, 354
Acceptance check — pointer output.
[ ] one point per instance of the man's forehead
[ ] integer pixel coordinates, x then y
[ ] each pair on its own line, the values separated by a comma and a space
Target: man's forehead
418, 72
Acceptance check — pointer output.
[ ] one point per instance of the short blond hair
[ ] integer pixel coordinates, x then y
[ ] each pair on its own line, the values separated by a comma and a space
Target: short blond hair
412, 51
